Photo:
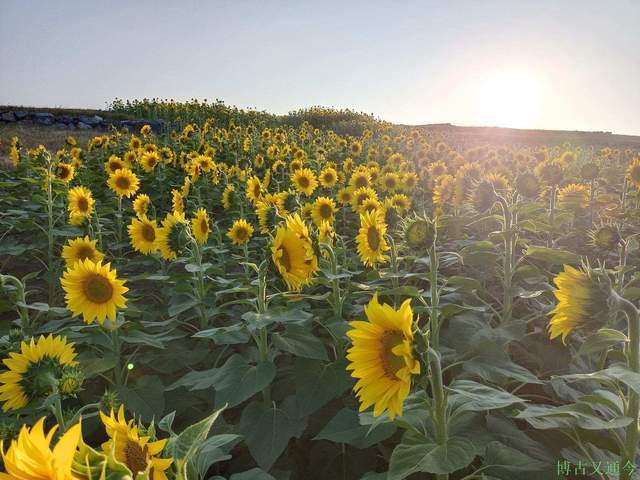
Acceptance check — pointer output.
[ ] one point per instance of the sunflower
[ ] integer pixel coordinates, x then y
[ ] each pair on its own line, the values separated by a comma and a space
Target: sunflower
549, 171
136, 451
590, 171
605, 237
80, 249
409, 181
93, 290
583, 302
369, 205
360, 178
345, 196
30, 457
149, 160
80, 202
304, 181
483, 196
381, 357
31, 371
444, 190
168, 236
141, 204
123, 182
437, 169
254, 189
328, 177
114, 163
573, 197
177, 201
200, 226
527, 184
268, 216
292, 253
401, 202
326, 233
633, 173
65, 172
227, 196
143, 234
370, 239
360, 195
240, 232
389, 182
323, 209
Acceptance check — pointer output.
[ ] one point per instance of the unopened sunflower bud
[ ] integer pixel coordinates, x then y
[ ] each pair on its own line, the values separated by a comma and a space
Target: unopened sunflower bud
109, 401
70, 382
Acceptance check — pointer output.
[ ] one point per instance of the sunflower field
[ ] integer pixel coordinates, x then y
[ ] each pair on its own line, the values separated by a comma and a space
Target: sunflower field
327, 296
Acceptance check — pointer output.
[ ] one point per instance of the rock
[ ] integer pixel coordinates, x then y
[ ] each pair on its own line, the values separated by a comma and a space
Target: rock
8, 117
21, 115
66, 119
83, 126
45, 120
39, 115
134, 126
94, 121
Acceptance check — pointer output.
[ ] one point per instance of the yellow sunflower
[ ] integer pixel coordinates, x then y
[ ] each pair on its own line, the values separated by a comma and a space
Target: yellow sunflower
370, 239
328, 177
381, 357
143, 234
292, 253
65, 172
114, 163
227, 196
30, 457
23, 380
141, 204
304, 181
136, 451
93, 291
240, 232
149, 160
123, 182
444, 190
582, 302
345, 196
360, 178
167, 236
80, 202
200, 226
633, 173
360, 195
254, 189
80, 249
323, 209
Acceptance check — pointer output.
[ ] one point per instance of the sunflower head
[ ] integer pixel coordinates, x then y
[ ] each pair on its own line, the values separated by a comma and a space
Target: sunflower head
171, 235
419, 232
590, 171
585, 300
293, 254
123, 182
240, 232
381, 357
483, 195
200, 226
550, 172
633, 173
527, 185
573, 197
141, 204
371, 242
605, 237
80, 249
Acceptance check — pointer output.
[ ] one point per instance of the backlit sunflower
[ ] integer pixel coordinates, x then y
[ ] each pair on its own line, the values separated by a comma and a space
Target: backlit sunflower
323, 209
605, 237
123, 182
444, 190
633, 173
292, 253
240, 232
419, 233
381, 357
143, 235
168, 236
370, 239
80, 202
30, 456
200, 226
527, 185
573, 197
389, 182
304, 181
141, 204
136, 451
583, 302
550, 172
80, 249
93, 291
34, 371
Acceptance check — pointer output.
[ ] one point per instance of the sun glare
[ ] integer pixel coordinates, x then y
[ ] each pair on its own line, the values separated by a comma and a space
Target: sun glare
509, 99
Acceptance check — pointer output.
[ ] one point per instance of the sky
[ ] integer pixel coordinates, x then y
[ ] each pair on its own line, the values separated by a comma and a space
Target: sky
569, 64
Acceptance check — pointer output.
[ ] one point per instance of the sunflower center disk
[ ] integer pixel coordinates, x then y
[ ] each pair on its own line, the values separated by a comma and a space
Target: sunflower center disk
391, 363
373, 238
136, 458
85, 252
285, 260
98, 289
83, 204
148, 233
123, 183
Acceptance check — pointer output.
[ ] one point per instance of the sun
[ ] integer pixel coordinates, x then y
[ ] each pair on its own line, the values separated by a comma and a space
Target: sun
509, 99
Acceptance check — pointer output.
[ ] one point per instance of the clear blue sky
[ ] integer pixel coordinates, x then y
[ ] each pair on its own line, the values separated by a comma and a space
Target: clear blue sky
566, 64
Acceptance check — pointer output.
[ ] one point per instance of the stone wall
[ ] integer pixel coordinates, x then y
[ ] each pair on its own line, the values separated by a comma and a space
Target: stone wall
74, 122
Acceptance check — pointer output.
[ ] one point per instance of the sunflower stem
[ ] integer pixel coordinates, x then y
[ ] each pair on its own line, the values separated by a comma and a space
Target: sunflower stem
633, 407
439, 410
21, 301
50, 233
509, 236
434, 320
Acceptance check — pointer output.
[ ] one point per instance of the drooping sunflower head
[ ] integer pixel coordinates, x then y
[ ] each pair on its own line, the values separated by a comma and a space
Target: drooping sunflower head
170, 236
633, 173
140, 453
419, 233
605, 237
240, 232
93, 291
123, 182
584, 301
573, 197
381, 357
371, 243
200, 226
35, 371
80, 202
293, 254
80, 249
143, 234
527, 185
30, 455
141, 204
483, 196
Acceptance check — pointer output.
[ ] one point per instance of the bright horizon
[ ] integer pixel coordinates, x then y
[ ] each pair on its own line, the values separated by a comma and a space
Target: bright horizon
571, 65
